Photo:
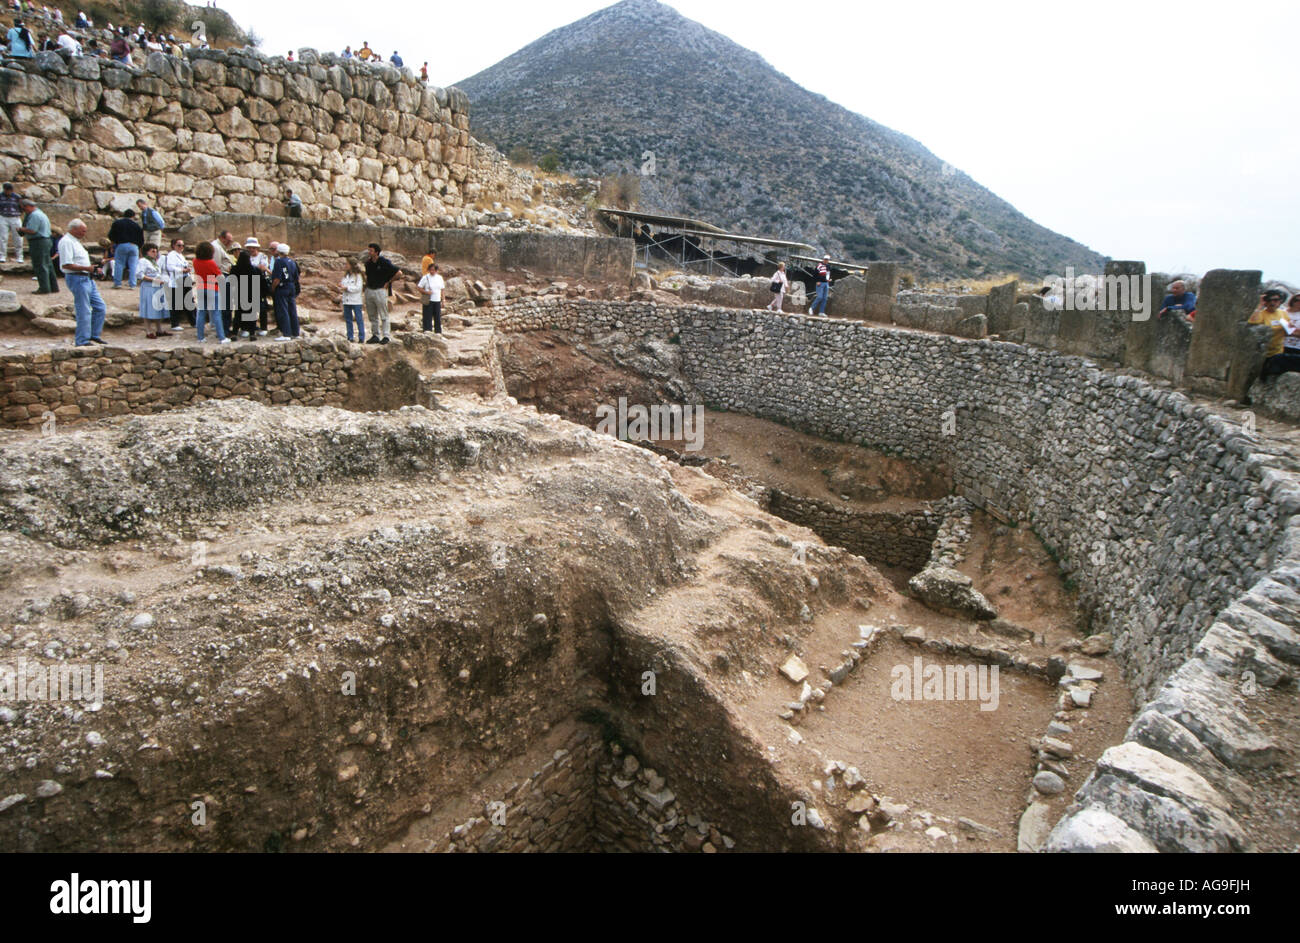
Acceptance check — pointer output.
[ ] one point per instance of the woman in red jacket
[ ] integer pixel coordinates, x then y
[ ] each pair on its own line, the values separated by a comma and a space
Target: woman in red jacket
207, 286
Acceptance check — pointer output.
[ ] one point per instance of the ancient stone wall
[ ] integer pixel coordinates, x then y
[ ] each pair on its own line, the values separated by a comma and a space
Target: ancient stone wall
891, 538
1178, 528
1117, 477
597, 258
75, 384
218, 131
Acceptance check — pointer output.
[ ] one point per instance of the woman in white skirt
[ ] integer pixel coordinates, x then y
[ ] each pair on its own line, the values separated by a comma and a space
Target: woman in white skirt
153, 292
780, 282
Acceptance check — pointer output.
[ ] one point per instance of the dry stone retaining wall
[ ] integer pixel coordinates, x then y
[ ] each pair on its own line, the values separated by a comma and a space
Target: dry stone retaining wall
1175, 524
76, 384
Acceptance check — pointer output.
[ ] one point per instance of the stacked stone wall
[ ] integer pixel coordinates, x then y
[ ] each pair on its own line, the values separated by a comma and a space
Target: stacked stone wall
76, 384
217, 131
1158, 509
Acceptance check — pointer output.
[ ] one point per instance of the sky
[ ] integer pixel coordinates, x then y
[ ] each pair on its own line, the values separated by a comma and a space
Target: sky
1167, 132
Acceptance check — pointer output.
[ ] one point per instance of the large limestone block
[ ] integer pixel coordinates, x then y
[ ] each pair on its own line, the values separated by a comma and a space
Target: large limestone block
79, 97
1226, 299
116, 201
1000, 307
1165, 735
1160, 774
299, 152
209, 72
40, 121
155, 137
1172, 824
950, 590
25, 88
206, 165
1209, 708
209, 143
1094, 830
234, 124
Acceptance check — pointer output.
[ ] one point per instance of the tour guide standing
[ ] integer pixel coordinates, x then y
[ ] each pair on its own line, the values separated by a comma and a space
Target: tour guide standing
284, 289
36, 227
380, 274
823, 286
75, 262
11, 212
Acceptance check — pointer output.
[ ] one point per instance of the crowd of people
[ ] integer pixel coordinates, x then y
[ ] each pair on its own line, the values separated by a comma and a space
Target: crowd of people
21, 43
366, 54
231, 287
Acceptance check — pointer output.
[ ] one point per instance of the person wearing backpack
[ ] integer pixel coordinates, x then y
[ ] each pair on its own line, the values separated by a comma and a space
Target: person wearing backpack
20, 42
151, 222
780, 282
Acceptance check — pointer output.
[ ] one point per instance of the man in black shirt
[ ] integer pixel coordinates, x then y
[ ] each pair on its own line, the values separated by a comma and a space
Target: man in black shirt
127, 238
380, 274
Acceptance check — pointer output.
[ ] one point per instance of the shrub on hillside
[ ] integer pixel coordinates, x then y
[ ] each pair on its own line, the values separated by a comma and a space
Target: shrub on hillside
160, 15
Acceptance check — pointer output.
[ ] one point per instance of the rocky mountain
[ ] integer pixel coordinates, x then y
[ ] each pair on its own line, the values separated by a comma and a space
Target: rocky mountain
741, 145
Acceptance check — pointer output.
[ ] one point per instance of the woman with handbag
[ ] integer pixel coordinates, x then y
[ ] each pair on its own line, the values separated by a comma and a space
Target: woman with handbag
780, 282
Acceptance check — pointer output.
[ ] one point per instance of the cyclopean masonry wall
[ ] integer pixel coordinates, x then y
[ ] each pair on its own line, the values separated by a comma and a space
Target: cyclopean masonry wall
230, 130
1166, 515
591, 257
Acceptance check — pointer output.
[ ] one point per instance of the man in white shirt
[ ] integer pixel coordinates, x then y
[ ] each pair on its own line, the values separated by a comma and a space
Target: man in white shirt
431, 314
71, 45
74, 260
174, 266
224, 251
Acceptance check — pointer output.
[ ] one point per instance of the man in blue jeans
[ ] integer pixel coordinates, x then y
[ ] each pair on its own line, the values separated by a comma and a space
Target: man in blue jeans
74, 260
128, 239
823, 286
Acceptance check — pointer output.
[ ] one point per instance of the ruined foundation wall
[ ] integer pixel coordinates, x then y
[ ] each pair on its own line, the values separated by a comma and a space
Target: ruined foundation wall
891, 538
1159, 510
77, 384
598, 258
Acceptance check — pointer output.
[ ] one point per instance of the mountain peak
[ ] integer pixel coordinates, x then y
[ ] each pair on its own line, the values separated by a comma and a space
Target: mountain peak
738, 143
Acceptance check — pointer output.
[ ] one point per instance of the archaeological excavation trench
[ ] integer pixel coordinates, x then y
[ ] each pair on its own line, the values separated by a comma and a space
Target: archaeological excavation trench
430, 617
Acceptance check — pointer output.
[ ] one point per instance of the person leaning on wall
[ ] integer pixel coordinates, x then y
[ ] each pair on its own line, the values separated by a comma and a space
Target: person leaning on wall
1282, 355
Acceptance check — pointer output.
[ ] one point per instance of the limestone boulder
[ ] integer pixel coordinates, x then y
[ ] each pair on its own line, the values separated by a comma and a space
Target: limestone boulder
950, 590
1094, 830
25, 88
108, 132
41, 121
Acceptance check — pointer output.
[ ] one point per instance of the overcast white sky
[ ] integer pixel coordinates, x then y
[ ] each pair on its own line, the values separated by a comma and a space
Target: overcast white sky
1147, 129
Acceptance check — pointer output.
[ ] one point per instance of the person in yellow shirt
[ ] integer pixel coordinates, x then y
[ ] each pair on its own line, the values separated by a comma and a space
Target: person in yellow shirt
1283, 352
365, 52
426, 263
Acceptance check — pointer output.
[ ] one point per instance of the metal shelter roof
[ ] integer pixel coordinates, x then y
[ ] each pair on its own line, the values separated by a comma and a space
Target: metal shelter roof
816, 259
701, 229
